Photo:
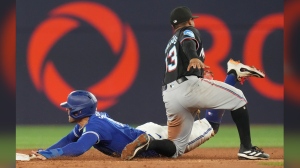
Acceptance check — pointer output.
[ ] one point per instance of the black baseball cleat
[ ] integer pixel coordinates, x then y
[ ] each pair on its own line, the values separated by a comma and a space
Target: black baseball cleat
254, 153
140, 144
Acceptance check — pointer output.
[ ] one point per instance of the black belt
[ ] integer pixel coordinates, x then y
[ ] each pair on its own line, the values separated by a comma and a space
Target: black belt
180, 80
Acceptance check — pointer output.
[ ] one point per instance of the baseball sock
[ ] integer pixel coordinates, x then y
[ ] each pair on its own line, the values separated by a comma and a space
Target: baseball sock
164, 147
241, 119
231, 79
213, 116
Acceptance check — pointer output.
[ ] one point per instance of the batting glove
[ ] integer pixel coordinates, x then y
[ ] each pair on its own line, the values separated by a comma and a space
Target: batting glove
51, 153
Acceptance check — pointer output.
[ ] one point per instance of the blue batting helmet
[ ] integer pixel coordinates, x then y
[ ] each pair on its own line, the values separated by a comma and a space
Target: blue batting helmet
81, 104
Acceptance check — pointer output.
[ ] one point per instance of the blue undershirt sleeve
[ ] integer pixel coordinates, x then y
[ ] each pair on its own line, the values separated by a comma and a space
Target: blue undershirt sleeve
64, 141
84, 143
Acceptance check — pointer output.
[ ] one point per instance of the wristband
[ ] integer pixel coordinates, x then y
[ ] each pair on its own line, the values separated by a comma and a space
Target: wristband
51, 153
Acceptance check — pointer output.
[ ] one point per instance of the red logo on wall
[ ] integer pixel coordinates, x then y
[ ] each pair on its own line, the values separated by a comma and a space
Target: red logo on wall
253, 50
43, 72
8, 50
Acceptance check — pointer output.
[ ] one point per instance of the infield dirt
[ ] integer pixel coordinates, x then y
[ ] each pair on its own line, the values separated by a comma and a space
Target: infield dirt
201, 157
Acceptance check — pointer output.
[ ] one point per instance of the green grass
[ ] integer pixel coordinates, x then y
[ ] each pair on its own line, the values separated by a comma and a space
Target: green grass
292, 148
261, 135
7, 146
34, 137
272, 163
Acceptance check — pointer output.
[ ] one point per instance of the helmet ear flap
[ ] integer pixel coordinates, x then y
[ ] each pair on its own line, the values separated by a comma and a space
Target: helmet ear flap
76, 113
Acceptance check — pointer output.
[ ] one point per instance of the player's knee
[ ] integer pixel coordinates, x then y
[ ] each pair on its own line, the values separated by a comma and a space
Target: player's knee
242, 97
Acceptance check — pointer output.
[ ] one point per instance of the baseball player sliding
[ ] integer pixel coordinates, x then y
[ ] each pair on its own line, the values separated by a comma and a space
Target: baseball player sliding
185, 90
97, 129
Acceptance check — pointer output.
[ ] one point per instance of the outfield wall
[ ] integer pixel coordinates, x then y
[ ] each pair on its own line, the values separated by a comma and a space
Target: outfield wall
116, 50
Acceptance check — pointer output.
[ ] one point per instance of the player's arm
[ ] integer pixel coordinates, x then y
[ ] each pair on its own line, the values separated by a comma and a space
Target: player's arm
84, 143
71, 137
189, 47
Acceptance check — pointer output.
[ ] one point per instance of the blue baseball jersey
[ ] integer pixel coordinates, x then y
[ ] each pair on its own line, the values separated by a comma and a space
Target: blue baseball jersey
103, 133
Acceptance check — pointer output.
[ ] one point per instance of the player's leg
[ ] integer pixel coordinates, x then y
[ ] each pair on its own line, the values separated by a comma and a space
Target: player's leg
240, 116
165, 147
247, 151
236, 72
179, 131
180, 117
154, 130
219, 95
180, 123
201, 132
214, 116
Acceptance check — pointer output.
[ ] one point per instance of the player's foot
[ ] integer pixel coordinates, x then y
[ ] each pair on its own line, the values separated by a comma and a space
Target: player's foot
254, 153
139, 144
243, 71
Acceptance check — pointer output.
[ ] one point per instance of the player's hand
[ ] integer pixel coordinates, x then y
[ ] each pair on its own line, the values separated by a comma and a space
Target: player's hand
208, 74
38, 156
48, 154
196, 63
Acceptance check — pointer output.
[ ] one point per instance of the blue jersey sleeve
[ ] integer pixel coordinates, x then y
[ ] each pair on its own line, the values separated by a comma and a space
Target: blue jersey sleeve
84, 143
71, 137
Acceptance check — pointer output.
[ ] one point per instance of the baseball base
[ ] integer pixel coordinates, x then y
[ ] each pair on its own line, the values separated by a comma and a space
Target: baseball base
24, 157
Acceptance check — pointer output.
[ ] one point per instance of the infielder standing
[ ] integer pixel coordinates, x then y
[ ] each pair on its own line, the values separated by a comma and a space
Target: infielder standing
185, 91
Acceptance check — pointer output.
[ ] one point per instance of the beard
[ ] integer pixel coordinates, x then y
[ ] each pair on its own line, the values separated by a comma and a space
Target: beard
71, 120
